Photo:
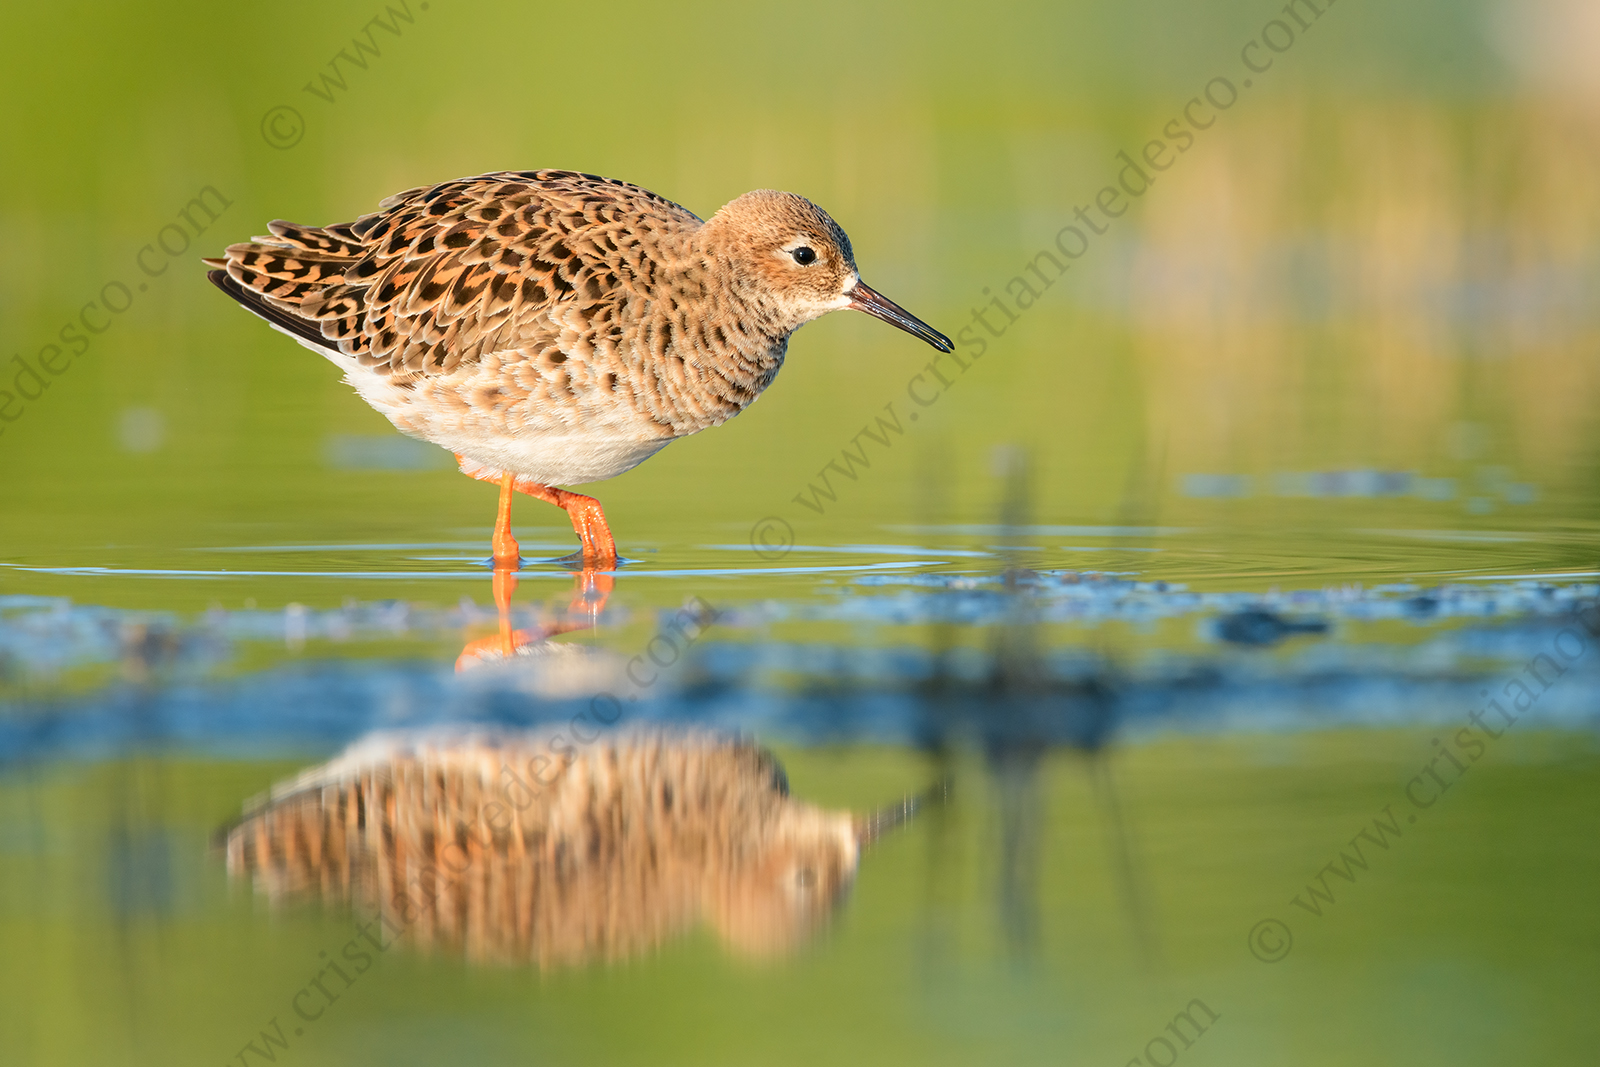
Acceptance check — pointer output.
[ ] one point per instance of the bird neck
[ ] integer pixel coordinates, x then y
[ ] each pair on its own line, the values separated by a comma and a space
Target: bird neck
714, 266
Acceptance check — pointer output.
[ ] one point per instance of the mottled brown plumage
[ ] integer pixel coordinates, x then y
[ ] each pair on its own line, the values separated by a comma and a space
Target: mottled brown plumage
522, 847
551, 327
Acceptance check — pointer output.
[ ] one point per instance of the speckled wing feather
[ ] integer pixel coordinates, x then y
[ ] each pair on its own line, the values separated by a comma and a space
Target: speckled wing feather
545, 262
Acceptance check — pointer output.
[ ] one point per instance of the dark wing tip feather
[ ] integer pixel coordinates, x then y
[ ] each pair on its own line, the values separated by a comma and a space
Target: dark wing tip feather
254, 302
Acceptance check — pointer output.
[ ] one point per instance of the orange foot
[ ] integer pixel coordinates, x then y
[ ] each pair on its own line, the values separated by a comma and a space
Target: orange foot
588, 520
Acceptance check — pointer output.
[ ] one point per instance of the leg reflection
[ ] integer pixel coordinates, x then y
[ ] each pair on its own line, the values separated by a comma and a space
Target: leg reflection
591, 589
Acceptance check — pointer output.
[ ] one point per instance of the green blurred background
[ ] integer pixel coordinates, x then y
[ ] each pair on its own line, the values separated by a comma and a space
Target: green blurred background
1350, 336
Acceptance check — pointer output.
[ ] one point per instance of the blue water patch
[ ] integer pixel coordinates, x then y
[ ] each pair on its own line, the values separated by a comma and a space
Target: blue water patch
985, 658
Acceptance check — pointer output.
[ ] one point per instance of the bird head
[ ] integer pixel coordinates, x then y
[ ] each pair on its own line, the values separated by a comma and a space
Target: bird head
799, 262
770, 904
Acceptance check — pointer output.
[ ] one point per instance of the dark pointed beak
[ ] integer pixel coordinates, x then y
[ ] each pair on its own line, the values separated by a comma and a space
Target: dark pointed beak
864, 298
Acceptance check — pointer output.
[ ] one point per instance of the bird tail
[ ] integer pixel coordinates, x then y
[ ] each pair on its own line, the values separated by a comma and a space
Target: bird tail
294, 277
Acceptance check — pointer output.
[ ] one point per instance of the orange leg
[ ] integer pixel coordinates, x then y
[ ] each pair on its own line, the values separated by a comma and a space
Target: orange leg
507, 553
588, 521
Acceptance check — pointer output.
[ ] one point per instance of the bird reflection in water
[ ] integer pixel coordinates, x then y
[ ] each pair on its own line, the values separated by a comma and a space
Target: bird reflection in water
523, 847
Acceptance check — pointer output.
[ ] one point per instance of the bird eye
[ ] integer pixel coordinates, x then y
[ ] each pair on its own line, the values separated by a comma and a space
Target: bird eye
804, 256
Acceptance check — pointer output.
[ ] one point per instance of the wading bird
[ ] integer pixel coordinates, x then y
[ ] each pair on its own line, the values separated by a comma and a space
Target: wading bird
554, 328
